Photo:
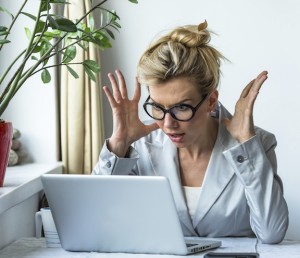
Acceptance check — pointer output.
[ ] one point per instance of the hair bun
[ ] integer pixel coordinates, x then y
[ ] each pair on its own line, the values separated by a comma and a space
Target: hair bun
202, 26
191, 35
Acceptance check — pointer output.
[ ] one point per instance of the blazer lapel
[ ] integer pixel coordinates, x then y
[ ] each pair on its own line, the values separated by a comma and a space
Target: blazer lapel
218, 173
164, 159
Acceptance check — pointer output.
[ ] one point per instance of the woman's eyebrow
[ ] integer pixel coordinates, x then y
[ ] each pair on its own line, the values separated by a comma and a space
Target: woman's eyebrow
175, 104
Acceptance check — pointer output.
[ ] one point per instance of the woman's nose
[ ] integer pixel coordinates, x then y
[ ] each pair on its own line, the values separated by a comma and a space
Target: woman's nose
170, 122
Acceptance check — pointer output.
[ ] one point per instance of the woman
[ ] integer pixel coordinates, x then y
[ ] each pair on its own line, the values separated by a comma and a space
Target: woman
222, 169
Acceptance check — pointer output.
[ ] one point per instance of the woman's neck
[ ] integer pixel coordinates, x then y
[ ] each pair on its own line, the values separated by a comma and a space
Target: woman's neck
205, 143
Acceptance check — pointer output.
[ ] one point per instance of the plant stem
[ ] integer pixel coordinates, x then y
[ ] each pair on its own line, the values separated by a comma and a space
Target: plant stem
56, 65
5, 73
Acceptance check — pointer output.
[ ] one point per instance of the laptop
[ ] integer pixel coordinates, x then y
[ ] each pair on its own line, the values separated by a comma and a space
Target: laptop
124, 214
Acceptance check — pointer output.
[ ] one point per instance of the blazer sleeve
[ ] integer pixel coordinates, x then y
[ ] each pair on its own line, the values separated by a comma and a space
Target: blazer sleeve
254, 163
110, 164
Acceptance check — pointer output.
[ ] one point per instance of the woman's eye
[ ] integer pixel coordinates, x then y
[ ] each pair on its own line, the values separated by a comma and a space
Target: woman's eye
156, 108
182, 108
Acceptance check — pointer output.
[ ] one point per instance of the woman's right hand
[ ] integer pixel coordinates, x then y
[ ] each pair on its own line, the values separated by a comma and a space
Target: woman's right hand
127, 127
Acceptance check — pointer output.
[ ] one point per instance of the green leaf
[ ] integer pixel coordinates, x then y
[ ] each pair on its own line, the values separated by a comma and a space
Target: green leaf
45, 75
28, 33
4, 41
92, 65
90, 74
52, 22
71, 71
2, 9
37, 49
58, 2
3, 28
62, 24
45, 6
2, 33
102, 41
46, 46
34, 58
110, 33
112, 16
69, 54
66, 25
115, 24
29, 15
53, 34
133, 1
40, 26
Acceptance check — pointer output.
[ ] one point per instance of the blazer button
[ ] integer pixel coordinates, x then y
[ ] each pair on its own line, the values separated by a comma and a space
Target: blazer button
240, 159
108, 164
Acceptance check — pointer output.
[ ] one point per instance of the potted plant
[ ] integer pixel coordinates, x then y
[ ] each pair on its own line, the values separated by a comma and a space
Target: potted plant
52, 35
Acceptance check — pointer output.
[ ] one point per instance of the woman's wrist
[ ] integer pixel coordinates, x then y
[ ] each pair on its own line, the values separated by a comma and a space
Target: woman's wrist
118, 147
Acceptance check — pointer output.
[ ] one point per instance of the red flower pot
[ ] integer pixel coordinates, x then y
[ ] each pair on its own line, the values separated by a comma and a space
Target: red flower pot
6, 131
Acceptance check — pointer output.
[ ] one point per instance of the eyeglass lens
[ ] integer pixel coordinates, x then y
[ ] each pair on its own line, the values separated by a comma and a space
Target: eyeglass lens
180, 112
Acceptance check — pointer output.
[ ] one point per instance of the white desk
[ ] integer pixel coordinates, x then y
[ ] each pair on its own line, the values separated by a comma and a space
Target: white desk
36, 248
19, 200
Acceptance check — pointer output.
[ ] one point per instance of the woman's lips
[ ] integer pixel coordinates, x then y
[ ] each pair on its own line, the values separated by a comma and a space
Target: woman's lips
176, 137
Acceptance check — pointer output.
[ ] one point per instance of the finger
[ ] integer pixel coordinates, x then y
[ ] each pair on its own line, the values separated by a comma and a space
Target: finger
255, 85
114, 84
110, 97
260, 79
137, 90
122, 84
246, 90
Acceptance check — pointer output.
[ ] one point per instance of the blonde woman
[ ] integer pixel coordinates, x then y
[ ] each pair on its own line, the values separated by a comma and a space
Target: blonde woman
222, 169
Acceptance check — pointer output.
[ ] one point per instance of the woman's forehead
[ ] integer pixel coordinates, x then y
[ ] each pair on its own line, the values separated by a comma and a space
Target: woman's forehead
174, 91
179, 86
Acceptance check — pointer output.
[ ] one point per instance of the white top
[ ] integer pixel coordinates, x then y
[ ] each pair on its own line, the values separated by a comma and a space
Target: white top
192, 195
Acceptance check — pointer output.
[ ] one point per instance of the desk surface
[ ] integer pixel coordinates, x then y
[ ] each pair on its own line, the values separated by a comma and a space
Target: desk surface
36, 248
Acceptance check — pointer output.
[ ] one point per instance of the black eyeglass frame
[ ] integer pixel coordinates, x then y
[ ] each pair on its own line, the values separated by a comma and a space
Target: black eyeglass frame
165, 111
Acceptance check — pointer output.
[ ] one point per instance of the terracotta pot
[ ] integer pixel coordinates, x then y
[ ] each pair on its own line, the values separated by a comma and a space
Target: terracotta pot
6, 131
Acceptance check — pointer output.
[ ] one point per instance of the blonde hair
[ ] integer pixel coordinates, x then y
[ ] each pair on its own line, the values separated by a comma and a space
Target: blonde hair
184, 52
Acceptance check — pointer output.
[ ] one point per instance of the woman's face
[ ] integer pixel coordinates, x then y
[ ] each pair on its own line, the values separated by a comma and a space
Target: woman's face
183, 91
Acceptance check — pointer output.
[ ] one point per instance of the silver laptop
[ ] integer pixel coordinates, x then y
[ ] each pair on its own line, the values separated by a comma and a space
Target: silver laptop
128, 214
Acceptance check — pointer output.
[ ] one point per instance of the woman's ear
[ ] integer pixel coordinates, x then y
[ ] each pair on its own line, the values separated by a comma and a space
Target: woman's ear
213, 100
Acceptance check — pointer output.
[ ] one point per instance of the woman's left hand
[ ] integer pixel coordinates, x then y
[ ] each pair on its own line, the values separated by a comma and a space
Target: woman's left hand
241, 125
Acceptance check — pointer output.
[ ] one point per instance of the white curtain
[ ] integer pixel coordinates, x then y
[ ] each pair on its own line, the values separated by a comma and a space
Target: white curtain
82, 130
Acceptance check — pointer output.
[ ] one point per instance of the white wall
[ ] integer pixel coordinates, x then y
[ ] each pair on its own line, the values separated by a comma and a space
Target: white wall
255, 35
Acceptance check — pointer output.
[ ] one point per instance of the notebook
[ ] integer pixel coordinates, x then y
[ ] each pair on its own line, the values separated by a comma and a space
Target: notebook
127, 214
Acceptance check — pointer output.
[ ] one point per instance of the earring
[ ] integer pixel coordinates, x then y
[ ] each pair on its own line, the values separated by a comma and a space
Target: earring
214, 113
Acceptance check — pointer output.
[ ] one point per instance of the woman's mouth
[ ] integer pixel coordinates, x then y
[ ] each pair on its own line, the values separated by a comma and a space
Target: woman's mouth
176, 137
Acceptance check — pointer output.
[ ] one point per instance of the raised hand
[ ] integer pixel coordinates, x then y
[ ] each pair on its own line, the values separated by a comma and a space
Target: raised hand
241, 125
127, 127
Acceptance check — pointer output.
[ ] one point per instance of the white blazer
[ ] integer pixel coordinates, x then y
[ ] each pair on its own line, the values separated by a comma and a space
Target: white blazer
242, 194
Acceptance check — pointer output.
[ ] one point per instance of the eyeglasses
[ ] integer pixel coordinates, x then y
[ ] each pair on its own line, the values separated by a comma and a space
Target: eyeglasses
180, 112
